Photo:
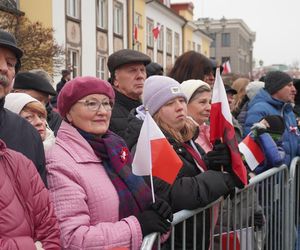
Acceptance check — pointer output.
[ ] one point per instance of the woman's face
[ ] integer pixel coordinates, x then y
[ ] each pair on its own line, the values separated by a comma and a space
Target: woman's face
199, 107
210, 79
91, 114
174, 112
37, 120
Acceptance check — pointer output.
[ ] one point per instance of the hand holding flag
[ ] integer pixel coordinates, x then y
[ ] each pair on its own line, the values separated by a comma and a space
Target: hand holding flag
221, 127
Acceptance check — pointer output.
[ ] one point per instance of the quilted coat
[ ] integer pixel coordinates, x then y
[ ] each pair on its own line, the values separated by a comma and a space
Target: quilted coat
26, 213
86, 202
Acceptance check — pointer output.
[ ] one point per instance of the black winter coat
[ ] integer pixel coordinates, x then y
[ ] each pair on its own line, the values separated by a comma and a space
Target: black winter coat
21, 136
123, 105
192, 188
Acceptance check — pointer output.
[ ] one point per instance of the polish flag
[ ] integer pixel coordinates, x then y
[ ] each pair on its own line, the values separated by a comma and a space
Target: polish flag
238, 240
135, 33
154, 155
221, 128
156, 31
226, 67
252, 152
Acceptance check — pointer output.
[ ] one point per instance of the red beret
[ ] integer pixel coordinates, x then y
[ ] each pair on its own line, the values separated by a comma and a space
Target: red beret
80, 87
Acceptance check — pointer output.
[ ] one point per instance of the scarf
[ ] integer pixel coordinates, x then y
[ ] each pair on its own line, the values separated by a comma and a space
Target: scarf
196, 156
134, 194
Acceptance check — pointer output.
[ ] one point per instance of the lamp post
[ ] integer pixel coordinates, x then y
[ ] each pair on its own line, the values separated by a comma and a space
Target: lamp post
207, 23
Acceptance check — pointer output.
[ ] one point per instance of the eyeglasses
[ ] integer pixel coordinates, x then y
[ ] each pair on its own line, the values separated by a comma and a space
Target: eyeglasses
95, 105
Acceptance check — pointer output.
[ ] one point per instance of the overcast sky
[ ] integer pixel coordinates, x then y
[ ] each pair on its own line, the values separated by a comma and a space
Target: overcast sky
276, 23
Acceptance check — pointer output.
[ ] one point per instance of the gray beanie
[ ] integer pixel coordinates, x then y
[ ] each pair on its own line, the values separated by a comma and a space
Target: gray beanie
276, 80
158, 90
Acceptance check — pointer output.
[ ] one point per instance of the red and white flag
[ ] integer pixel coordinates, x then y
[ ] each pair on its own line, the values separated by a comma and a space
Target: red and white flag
226, 67
221, 127
135, 33
156, 31
154, 155
252, 152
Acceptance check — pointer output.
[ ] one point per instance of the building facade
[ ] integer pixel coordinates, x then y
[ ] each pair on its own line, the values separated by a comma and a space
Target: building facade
232, 40
90, 30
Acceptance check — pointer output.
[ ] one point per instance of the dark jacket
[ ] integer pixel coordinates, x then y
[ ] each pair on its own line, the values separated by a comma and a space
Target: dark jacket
264, 104
192, 188
133, 129
21, 136
123, 105
53, 118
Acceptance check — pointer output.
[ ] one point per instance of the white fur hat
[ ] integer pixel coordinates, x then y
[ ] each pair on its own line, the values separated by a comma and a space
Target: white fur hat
15, 102
253, 87
190, 86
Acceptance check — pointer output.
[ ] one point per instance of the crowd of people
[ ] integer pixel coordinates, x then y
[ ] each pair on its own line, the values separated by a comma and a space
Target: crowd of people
66, 154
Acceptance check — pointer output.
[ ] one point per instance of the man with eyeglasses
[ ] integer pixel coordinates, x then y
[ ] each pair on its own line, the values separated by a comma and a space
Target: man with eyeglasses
128, 73
16, 132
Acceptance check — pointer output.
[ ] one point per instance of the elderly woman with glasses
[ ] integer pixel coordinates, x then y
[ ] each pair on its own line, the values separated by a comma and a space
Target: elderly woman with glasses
99, 203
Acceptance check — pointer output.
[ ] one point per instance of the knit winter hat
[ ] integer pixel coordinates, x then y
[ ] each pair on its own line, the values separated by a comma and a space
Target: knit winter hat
276, 123
158, 90
80, 87
15, 102
190, 86
276, 80
253, 87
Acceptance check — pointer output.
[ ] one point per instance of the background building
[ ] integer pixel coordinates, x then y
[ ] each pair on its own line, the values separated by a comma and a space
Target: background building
232, 40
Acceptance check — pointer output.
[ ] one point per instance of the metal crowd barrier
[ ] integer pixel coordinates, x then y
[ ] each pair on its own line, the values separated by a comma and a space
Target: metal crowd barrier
256, 217
294, 229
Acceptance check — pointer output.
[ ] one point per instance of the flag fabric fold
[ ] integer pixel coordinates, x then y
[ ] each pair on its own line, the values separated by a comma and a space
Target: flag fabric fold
252, 152
154, 155
156, 31
135, 33
226, 67
221, 127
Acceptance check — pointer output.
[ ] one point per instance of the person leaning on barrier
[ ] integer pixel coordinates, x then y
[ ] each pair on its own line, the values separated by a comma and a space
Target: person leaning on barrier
99, 203
195, 185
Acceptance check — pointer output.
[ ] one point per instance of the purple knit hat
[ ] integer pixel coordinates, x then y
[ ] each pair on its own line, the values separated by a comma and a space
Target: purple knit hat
158, 90
80, 87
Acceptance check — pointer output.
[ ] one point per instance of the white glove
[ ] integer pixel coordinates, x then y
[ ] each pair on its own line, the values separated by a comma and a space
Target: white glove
39, 245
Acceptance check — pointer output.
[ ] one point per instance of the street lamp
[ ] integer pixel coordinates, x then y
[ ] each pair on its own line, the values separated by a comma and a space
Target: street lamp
207, 23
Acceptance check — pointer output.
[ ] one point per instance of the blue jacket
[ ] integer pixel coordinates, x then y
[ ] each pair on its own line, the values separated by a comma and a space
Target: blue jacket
262, 105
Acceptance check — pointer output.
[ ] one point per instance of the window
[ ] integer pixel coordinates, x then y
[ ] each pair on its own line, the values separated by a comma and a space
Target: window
176, 44
73, 8
169, 41
101, 62
194, 46
213, 36
118, 18
138, 20
150, 26
160, 39
225, 39
73, 61
102, 14
199, 48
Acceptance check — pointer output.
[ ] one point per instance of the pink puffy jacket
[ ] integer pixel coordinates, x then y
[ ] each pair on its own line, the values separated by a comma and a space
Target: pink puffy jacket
26, 213
85, 200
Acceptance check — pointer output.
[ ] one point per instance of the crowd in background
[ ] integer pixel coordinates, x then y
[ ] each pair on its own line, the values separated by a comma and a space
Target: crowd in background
66, 153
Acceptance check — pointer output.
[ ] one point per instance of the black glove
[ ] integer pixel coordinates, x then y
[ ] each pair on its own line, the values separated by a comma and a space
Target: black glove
259, 219
219, 156
151, 222
162, 208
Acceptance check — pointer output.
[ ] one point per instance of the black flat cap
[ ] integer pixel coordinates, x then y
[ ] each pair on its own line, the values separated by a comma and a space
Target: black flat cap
28, 80
125, 56
8, 41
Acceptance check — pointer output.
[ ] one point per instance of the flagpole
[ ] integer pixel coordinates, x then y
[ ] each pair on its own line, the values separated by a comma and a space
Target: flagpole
150, 158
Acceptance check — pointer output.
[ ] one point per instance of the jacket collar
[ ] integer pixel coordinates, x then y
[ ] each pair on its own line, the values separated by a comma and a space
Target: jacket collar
77, 147
125, 101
